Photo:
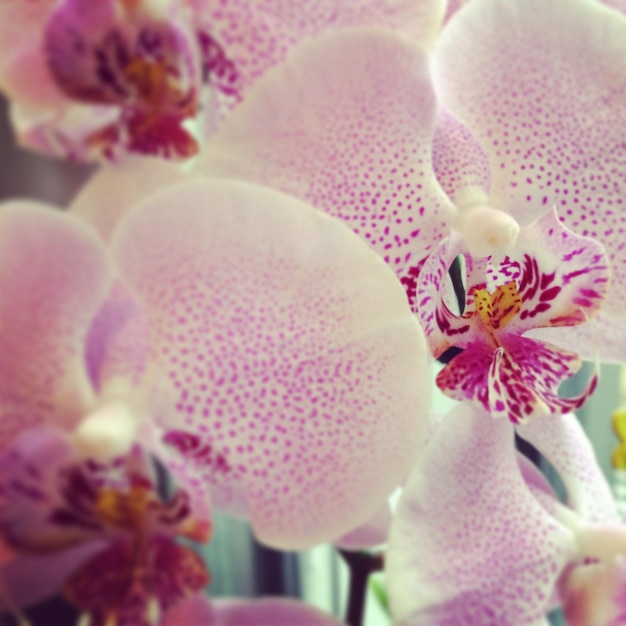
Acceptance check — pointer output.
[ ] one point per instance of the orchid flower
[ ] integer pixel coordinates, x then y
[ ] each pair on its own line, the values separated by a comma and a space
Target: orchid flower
483, 137
106, 519
558, 279
255, 345
101, 79
480, 538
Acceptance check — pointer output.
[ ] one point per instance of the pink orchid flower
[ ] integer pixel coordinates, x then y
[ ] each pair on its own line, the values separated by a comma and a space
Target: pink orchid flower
117, 536
552, 278
100, 79
488, 133
255, 345
480, 538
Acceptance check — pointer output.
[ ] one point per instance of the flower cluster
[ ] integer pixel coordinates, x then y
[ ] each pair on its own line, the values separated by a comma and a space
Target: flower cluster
374, 180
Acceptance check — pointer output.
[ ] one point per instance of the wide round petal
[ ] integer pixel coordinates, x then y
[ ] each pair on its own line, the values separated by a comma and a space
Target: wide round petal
562, 440
54, 274
535, 82
285, 363
241, 40
354, 142
469, 543
201, 611
113, 190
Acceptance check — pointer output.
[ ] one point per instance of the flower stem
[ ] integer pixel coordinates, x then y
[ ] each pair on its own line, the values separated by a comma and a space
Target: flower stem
361, 565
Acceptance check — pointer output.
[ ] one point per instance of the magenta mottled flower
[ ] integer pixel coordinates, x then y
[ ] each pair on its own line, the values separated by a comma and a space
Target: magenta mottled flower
480, 538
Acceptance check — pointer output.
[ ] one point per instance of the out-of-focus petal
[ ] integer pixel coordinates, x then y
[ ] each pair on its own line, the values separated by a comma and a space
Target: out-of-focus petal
595, 595
242, 40
373, 533
111, 191
31, 579
64, 132
24, 74
354, 142
550, 142
467, 504
109, 52
117, 344
274, 611
561, 439
199, 610
285, 361
54, 274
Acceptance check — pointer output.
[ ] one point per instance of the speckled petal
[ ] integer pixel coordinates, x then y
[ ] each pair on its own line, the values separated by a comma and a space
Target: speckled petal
436, 309
54, 274
242, 40
525, 376
550, 142
466, 376
470, 544
285, 361
111, 191
561, 439
354, 142
564, 278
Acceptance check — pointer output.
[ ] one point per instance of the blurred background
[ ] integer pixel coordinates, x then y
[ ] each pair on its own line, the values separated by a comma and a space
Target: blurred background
239, 565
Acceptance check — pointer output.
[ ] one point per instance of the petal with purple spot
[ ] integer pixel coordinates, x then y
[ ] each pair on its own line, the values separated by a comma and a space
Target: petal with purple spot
285, 362
468, 501
549, 142
562, 440
241, 40
354, 142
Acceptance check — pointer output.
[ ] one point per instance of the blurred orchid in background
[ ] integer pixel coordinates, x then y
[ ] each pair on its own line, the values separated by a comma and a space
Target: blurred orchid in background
101, 79
257, 347
106, 521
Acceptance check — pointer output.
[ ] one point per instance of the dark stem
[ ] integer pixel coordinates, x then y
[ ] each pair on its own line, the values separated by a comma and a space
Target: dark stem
361, 565
456, 276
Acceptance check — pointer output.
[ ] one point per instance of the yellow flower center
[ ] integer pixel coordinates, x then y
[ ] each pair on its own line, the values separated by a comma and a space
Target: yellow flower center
124, 509
497, 309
